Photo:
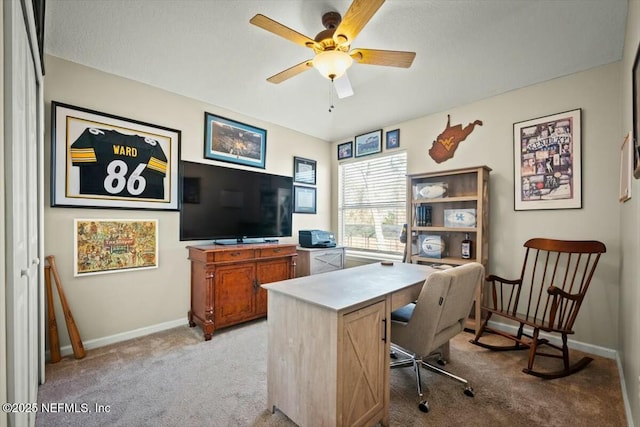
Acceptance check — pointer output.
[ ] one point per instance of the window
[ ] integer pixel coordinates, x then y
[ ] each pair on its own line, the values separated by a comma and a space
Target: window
372, 204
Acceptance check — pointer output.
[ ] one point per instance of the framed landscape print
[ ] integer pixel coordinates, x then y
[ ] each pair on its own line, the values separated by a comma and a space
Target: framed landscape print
368, 143
304, 199
547, 162
304, 171
345, 150
114, 245
105, 161
235, 142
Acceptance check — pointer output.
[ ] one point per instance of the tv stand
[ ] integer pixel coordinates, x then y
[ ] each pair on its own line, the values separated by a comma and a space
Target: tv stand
226, 279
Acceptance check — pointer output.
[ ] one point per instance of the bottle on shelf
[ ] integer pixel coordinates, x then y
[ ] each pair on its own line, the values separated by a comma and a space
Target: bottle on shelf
466, 247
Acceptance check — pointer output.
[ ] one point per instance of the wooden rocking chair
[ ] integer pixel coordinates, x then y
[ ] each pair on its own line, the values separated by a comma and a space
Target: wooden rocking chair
547, 297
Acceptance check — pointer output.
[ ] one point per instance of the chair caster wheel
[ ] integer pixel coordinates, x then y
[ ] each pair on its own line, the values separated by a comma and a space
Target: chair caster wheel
442, 362
469, 391
423, 406
393, 355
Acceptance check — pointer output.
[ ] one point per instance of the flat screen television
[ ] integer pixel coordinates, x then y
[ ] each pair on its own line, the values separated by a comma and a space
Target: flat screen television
233, 205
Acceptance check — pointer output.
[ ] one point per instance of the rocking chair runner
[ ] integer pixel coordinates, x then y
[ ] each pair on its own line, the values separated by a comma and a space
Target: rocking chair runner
547, 297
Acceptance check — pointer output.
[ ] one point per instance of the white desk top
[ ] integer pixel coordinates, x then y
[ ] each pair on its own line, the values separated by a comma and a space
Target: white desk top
340, 289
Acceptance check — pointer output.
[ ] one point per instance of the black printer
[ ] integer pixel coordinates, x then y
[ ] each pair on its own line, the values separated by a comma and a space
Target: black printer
316, 239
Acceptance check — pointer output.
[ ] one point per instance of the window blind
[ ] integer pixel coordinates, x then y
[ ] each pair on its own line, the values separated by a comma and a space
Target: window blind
372, 203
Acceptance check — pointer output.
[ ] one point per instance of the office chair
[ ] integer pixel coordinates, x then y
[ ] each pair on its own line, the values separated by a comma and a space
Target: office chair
423, 329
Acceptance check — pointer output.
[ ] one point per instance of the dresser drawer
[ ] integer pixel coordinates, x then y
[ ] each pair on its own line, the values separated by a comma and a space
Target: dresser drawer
235, 255
269, 252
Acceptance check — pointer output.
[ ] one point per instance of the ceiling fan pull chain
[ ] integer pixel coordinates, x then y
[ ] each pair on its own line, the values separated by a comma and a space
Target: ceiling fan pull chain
331, 106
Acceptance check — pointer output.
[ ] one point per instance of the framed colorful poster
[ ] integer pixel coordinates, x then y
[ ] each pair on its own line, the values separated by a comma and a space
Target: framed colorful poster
105, 161
547, 162
235, 142
114, 245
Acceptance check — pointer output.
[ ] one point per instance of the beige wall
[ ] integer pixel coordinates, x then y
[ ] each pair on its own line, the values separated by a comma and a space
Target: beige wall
597, 92
630, 234
121, 303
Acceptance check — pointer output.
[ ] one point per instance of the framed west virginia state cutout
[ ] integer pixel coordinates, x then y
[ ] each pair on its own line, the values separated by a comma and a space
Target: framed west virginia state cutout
100, 160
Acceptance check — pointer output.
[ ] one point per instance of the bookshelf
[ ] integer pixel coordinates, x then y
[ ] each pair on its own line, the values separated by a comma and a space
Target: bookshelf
442, 208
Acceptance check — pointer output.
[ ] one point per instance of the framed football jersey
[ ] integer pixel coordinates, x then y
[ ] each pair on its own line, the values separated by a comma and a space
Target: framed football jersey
102, 160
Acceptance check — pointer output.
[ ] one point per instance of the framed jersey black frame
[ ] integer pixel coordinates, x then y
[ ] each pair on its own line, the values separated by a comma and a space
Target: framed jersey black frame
101, 160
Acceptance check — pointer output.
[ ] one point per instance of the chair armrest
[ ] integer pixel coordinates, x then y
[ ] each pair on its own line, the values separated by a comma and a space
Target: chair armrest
558, 305
553, 291
494, 278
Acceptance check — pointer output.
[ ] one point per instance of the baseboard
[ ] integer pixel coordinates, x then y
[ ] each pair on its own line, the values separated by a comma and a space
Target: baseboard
124, 336
625, 398
574, 345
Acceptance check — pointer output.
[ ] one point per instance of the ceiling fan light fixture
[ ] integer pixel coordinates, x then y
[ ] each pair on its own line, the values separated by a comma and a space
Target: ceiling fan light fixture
332, 64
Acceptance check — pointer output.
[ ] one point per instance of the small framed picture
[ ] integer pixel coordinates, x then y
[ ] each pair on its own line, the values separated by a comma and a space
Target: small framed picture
345, 150
304, 199
304, 171
369, 143
393, 139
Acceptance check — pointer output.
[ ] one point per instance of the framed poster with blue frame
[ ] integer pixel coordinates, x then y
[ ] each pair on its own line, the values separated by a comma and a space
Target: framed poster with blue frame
235, 142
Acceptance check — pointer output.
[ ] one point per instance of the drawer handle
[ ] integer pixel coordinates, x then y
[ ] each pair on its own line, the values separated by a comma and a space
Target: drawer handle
235, 253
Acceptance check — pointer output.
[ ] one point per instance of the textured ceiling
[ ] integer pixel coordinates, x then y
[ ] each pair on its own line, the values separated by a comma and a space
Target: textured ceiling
466, 50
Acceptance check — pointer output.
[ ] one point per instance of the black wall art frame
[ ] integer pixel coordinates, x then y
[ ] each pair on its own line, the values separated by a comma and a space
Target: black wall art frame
368, 143
304, 170
304, 199
101, 160
636, 115
345, 150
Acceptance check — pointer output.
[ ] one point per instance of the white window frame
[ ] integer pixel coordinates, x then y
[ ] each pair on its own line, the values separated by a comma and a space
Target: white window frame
393, 185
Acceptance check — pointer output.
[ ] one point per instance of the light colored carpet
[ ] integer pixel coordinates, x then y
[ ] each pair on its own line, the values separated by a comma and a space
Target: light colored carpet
174, 378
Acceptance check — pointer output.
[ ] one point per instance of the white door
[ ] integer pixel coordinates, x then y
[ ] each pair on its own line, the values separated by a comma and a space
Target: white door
22, 188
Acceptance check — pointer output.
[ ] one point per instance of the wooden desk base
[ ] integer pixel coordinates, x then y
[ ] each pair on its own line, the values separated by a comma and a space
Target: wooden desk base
329, 365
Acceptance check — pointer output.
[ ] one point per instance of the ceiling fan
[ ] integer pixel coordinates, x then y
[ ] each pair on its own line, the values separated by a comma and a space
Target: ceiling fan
332, 46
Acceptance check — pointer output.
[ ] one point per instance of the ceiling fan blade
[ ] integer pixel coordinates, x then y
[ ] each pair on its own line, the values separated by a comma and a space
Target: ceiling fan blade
343, 86
390, 58
283, 31
359, 13
291, 72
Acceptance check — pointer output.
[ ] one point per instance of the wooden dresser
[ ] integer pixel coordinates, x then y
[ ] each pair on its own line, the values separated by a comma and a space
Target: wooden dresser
226, 279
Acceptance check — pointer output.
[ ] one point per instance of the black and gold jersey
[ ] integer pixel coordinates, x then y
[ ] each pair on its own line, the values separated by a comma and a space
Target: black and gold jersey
116, 164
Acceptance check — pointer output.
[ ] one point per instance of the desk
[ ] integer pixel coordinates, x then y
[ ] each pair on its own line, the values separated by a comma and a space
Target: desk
328, 361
